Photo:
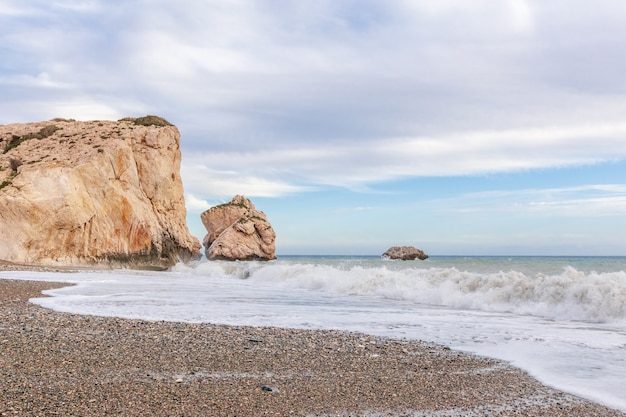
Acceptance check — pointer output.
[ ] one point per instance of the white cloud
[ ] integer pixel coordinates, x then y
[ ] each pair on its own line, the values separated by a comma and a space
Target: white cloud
18, 8
596, 200
279, 98
211, 183
521, 15
606, 188
356, 209
275, 172
82, 109
84, 6
583, 207
41, 80
195, 204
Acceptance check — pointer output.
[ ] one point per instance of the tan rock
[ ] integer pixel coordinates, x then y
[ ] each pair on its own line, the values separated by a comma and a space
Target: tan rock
237, 231
219, 218
405, 253
93, 193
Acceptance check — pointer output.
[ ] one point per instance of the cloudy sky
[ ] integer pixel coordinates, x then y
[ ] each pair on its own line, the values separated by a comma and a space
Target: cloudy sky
461, 127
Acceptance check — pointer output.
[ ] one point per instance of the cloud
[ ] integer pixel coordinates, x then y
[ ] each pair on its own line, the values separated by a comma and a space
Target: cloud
194, 204
275, 172
17, 9
521, 15
276, 98
41, 80
595, 200
211, 183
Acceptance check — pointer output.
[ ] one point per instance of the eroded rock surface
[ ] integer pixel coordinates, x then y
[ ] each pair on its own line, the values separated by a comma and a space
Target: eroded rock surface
405, 253
238, 231
93, 193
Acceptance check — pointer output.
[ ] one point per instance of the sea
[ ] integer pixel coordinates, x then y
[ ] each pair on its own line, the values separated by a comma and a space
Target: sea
561, 319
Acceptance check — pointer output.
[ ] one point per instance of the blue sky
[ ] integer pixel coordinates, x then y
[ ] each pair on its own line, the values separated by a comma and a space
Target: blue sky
457, 126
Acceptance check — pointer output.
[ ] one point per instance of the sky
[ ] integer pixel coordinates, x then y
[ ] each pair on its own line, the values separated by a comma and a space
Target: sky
461, 127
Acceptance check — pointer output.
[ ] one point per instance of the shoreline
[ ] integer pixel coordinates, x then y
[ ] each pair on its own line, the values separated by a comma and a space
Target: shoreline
66, 364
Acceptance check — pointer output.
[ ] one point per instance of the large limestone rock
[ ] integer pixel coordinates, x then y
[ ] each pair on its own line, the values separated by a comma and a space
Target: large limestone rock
93, 193
405, 253
238, 231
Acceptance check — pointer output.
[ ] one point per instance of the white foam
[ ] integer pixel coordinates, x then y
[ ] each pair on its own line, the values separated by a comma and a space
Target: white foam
571, 295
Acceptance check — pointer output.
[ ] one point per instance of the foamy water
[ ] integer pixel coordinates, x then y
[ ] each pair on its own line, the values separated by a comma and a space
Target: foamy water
561, 319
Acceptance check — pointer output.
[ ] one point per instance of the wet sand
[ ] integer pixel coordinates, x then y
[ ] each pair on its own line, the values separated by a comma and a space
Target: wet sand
70, 365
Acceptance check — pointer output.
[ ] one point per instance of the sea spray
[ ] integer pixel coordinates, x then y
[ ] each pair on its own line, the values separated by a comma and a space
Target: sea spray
570, 295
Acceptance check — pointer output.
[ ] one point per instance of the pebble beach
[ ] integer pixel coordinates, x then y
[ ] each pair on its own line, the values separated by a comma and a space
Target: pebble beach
71, 365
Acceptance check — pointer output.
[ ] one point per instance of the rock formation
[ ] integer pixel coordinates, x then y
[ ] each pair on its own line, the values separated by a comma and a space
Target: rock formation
99, 193
405, 253
238, 231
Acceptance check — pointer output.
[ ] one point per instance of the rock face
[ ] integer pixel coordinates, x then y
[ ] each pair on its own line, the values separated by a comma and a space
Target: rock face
238, 231
405, 253
93, 193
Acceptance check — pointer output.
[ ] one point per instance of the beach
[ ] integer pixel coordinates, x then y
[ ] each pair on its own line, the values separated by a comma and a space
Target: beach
65, 364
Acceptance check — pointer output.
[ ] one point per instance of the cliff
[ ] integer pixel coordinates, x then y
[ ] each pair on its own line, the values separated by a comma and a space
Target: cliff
93, 193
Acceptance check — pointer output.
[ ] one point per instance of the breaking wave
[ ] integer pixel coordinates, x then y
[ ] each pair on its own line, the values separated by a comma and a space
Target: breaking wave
570, 295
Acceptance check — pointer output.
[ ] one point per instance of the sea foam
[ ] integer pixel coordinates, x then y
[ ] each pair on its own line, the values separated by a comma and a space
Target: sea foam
570, 295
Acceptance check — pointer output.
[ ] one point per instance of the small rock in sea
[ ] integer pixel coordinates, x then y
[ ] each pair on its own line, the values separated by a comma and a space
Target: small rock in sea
405, 253
269, 389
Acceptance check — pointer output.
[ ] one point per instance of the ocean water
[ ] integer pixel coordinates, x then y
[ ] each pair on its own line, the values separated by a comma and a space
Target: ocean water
563, 320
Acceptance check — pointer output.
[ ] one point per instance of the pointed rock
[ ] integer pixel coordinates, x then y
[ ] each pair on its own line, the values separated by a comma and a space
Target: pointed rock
238, 231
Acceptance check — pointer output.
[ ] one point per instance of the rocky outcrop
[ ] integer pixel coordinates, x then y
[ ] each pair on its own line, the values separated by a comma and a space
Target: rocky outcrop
238, 231
405, 253
99, 193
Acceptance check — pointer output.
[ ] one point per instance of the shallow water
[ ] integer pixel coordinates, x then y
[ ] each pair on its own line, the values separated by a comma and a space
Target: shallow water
561, 319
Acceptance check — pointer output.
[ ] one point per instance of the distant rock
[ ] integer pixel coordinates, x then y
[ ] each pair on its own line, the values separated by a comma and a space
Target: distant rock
98, 193
405, 253
238, 231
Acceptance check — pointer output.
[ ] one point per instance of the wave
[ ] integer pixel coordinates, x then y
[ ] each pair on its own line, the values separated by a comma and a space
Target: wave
570, 295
